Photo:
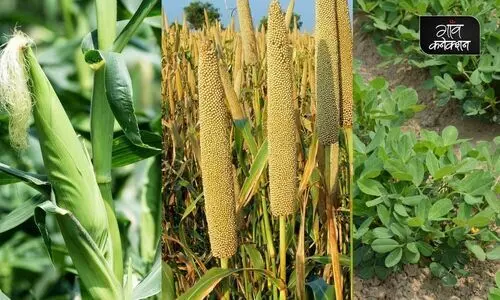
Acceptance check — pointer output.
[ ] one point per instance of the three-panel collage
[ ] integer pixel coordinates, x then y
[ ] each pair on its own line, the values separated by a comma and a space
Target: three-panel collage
249, 149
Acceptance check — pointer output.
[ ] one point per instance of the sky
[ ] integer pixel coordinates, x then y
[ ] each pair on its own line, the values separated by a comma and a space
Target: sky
305, 8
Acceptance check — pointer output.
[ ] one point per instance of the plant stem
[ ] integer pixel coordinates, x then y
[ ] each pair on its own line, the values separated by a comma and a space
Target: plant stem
350, 152
283, 254
247, 283
330, 173
101, 123
269, 242
224, 264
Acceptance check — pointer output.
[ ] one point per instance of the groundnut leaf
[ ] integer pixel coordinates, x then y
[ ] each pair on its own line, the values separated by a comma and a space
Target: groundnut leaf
384, 245
440, 209
476, 250
393, 258
22, 213
494, 254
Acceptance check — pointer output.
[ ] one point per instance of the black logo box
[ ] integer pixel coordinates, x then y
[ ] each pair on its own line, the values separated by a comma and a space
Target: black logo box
464, 38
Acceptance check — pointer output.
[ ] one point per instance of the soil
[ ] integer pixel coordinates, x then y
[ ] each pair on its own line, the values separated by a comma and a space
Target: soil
415, 282
418, 283
433, 117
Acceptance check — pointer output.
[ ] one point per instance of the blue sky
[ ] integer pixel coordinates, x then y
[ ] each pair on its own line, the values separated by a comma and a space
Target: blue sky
305, 8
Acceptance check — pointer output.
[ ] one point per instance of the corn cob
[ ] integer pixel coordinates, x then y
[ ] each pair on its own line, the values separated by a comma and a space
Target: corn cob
327, 73
247, 32
281, 127
217, 173
67, 165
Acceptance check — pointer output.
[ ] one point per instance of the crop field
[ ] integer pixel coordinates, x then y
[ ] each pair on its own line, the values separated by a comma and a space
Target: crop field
256, 196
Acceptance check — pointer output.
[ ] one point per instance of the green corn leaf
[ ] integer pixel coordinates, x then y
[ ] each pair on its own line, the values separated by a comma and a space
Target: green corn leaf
126, 153
11, 175
3, 296
21, 213
151, 284
93, 269
119, 94
89, 42
150, 229
135, 22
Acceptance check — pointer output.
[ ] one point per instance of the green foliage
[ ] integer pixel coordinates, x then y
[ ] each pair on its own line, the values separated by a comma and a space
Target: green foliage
263, 22
195, 13
471, 80
419, 193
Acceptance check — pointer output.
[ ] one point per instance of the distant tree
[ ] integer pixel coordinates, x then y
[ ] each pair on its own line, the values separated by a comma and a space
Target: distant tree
195, 16
263, 22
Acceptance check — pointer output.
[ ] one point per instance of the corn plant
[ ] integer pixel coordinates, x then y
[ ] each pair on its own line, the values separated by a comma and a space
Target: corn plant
267, 160
76, 188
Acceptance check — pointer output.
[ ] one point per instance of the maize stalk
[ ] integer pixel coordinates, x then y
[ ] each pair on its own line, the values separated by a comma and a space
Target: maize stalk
101, 128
